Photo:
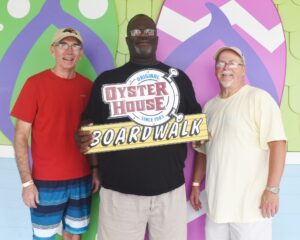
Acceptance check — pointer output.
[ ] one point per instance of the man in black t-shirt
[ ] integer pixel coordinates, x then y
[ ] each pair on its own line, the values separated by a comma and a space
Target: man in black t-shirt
141, 188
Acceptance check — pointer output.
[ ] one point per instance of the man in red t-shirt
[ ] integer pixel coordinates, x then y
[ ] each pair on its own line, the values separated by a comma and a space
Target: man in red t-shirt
59, 184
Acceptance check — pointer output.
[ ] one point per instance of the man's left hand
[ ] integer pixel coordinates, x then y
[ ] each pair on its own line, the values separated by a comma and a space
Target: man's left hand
269, 204
95, 180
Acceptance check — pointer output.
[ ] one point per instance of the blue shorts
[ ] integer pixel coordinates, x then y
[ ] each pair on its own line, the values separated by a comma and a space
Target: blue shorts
67, 201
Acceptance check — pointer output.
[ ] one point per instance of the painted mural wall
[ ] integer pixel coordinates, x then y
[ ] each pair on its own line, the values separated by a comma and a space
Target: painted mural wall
190, 31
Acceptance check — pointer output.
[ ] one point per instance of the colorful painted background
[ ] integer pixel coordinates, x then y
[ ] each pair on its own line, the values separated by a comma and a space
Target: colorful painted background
190, 31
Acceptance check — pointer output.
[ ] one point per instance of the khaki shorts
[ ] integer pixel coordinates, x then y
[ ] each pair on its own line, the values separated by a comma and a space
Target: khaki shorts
127, 216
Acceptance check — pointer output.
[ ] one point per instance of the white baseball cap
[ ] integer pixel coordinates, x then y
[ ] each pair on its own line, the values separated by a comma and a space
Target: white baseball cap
234, 49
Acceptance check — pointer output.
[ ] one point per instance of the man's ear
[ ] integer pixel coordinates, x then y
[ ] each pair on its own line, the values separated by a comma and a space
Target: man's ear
81, 55
244, 71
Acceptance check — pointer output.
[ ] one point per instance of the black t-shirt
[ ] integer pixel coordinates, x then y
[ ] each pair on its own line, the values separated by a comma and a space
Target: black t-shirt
147, 171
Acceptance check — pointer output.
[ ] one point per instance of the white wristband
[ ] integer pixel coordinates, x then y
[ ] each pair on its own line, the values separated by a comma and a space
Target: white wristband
27, 184
195, 184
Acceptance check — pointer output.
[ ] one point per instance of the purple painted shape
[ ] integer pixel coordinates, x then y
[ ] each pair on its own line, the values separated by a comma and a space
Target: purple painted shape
28, 37
206, 85
221, 29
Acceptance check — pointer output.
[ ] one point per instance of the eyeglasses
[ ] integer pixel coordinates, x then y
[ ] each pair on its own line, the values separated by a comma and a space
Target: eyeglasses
70, 30
229, 64
65, 46
138, 32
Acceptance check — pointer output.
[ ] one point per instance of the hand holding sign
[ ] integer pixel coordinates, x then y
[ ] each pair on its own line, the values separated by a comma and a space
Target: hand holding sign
84, 139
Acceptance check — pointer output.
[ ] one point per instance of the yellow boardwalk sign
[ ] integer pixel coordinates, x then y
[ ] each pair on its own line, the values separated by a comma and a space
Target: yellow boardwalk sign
128, 135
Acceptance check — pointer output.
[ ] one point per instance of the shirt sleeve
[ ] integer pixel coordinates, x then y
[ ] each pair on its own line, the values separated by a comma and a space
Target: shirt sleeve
92, 112
26, 106
268, 120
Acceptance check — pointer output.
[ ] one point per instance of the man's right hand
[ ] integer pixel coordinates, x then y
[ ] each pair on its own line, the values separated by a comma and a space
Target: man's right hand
30, 196
194, 198
83, 140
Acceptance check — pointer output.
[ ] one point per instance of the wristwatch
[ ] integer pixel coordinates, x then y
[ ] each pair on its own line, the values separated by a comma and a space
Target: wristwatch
274, 190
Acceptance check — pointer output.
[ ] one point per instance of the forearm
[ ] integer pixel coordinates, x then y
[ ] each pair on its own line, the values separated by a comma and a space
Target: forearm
276, 162
93, 160
199, 167
95, 172
21, 152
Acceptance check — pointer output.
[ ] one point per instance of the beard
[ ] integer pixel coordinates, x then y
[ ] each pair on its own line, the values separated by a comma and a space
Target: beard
226, 84
143, 51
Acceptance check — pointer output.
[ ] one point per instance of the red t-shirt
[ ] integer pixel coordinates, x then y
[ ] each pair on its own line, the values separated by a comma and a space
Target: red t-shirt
54, 105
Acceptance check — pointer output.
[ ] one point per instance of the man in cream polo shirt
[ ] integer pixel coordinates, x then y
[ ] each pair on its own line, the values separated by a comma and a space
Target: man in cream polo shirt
244, 159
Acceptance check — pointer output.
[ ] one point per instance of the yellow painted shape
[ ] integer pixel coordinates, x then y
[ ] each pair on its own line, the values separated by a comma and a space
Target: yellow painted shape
289, 11
295, 43
290, 16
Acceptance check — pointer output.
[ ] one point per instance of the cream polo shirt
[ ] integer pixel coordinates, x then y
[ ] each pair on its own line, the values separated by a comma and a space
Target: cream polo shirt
237, 155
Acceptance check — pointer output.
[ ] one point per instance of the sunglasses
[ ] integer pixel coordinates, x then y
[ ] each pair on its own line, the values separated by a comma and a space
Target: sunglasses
65, 46
228, 64
139, 32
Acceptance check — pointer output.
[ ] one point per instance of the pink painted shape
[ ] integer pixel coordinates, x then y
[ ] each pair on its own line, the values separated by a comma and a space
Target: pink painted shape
257, 8
196, 229
195, 9
272, 61
191, 9
163, 49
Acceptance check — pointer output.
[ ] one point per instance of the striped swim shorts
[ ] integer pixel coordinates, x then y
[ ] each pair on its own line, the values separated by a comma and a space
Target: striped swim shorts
66, 201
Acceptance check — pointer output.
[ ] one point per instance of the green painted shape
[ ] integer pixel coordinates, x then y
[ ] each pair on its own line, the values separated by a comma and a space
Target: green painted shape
297, 2
290, 106
294, 99
126, 10
135, 6
4, 140
292, 66
293, 127
279, 1
13, 26
290, 17
58, 237
295, 44
105, 27
156, 8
